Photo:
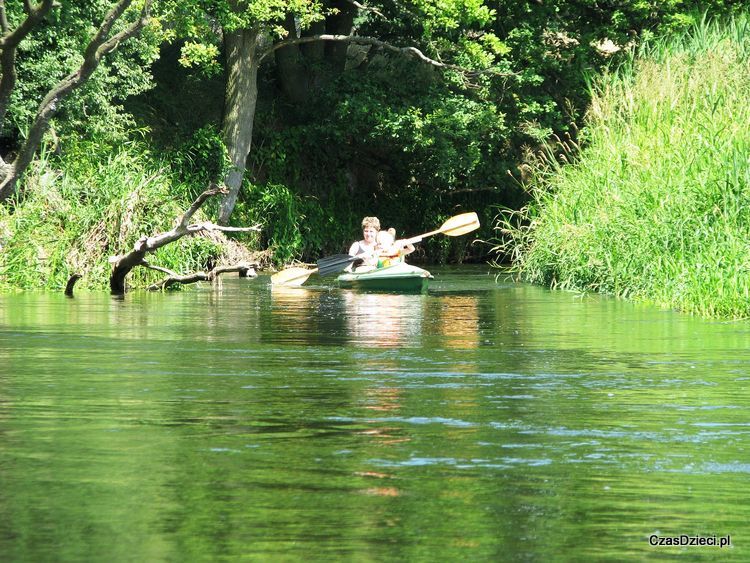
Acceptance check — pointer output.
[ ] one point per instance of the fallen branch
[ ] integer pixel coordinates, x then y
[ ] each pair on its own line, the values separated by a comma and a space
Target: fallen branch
123, 264
244, 270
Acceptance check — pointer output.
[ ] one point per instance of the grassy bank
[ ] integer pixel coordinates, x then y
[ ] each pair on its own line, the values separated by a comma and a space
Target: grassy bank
77, 212
657, 205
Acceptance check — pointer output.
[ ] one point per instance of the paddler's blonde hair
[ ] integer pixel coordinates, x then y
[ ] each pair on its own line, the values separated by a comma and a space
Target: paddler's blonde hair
373, 222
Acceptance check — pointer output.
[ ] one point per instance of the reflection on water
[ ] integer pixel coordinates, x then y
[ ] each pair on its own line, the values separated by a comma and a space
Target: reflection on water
382, 319
459, 320
483, 421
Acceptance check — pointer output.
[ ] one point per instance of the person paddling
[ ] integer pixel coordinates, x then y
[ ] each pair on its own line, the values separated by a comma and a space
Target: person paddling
366, 246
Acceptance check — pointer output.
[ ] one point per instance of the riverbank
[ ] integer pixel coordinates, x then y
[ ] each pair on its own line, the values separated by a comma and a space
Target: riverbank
657, 205
77, 212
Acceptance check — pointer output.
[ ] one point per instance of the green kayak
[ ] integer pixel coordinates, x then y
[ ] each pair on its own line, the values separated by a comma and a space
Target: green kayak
399, 277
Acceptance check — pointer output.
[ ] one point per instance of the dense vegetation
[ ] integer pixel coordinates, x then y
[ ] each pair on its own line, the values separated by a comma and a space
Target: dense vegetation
339, 129
657, 206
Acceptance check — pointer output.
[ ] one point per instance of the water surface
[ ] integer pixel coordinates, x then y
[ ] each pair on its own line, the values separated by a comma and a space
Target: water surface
483, 421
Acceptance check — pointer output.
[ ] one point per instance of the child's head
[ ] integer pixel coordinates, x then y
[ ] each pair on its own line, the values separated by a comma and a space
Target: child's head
386, 238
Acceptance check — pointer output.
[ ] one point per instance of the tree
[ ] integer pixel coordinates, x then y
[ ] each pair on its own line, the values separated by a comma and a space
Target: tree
105, 40
254, 30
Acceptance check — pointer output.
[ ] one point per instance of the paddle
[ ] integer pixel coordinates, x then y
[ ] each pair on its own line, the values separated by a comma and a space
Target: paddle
292, 276
453, 227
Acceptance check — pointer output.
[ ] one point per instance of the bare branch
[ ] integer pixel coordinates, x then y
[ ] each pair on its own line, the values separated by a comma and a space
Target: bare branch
408, 51
199, 201
244, 269
167, 271
208, 226
367, 8
71, 284
123, 264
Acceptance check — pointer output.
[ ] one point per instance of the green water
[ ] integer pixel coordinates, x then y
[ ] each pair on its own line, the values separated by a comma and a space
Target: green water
483, 421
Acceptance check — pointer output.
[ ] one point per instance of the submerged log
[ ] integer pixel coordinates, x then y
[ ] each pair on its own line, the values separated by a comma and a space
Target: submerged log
123, 264
71, 283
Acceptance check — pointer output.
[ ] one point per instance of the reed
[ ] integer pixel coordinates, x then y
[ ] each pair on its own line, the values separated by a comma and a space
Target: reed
656, 206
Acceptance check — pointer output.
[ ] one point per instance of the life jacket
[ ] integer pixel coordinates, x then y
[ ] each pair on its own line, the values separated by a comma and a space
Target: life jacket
389, 260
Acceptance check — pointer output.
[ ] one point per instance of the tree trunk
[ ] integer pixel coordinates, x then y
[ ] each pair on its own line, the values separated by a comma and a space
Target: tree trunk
340, 22
9, 46
306, 67
292, 76
242, 52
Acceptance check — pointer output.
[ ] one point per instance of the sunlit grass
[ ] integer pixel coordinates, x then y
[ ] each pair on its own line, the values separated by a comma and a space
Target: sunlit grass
657, 206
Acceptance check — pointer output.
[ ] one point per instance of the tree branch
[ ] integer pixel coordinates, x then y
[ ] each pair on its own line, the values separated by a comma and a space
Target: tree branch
367, 9
244, 270
199, 201
71, 284
167, 271
407, 51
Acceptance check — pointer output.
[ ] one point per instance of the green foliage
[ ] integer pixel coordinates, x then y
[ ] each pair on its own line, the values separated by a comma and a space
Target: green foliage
391, 142
388, 136
202, 56
198, 22
658, 205
280, 212
202, 158
55, 49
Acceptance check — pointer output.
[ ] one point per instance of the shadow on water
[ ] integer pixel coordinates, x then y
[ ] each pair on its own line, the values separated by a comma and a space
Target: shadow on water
485, 420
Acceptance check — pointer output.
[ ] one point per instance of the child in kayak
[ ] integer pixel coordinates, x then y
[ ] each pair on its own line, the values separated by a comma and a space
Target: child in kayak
390, 250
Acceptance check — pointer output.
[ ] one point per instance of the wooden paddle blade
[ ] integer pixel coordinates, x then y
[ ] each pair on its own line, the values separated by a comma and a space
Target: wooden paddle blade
292, 276
336, 263
460, 224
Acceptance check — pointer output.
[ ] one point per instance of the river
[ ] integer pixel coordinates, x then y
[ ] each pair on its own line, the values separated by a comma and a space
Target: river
486, 420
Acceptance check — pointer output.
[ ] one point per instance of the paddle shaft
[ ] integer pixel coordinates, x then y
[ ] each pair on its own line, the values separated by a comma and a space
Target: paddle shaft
419, 238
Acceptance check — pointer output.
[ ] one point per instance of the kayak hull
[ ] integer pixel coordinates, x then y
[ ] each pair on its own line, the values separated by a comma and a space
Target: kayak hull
402, 278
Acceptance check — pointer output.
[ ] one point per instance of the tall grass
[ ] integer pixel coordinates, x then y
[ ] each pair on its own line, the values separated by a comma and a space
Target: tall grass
657, 204
76, 212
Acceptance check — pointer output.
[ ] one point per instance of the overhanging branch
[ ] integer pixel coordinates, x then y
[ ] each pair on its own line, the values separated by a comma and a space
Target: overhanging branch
405, 51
